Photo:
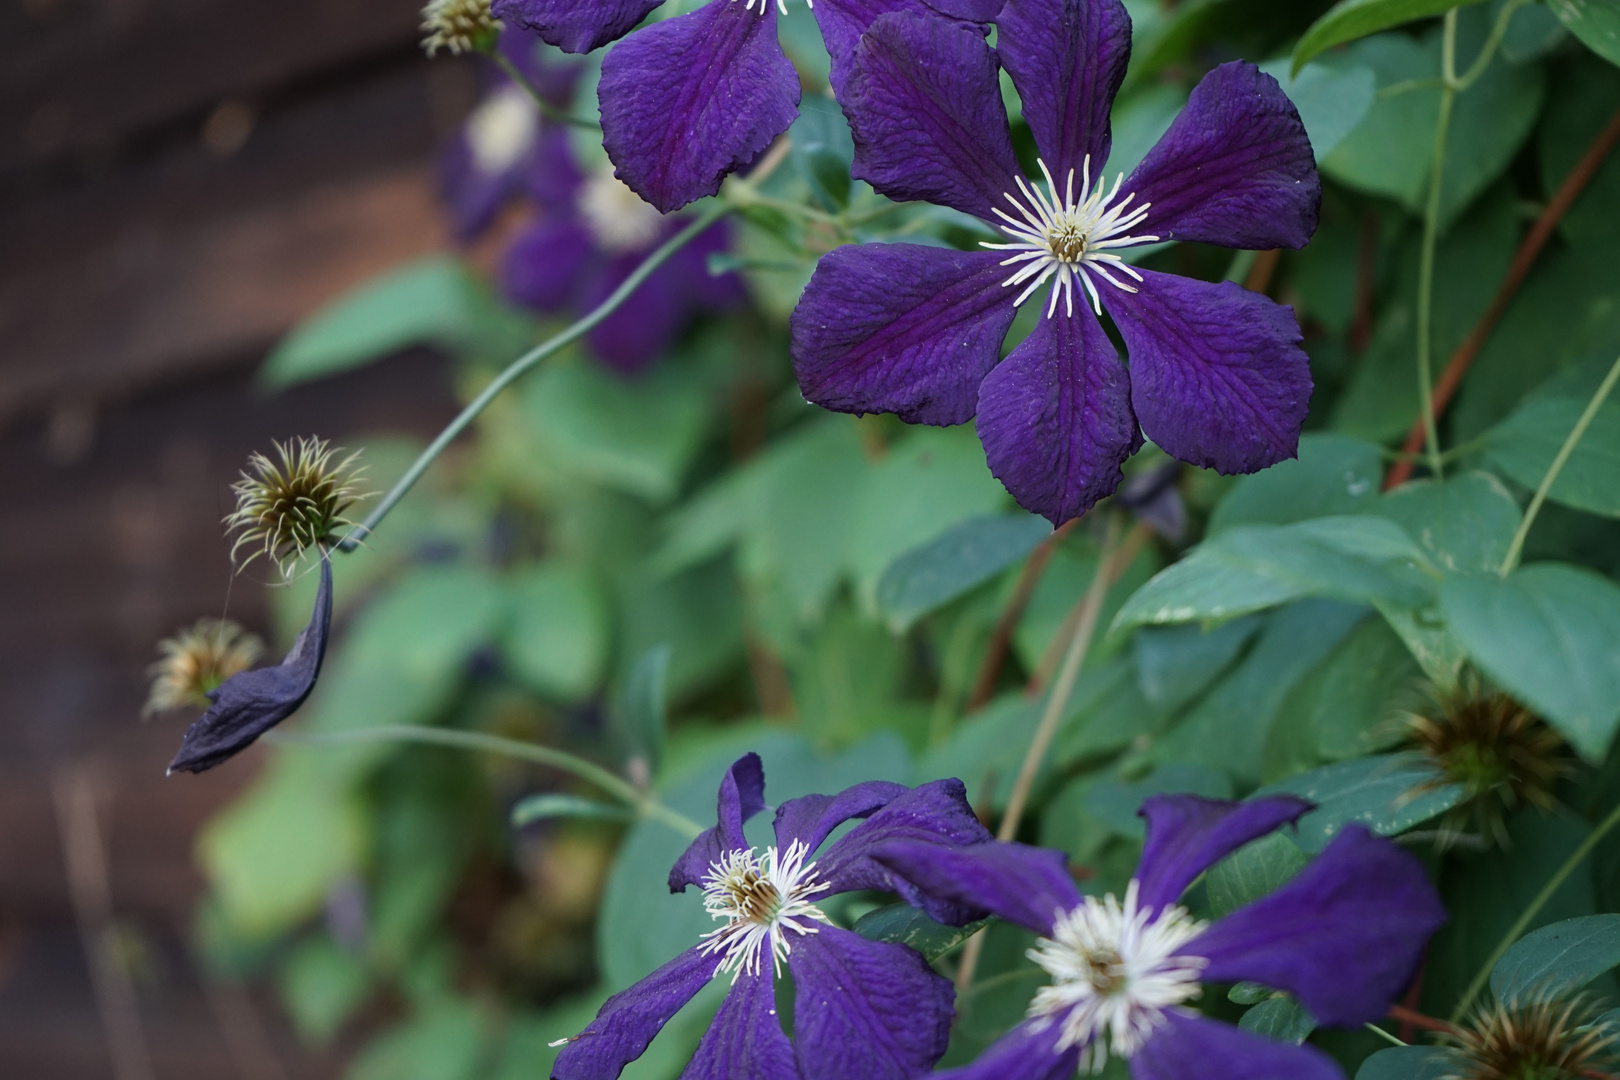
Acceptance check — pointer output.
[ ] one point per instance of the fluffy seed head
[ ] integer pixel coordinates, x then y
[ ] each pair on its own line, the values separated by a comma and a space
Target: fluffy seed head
284, 508
460, 26
196, 660
1547, 1040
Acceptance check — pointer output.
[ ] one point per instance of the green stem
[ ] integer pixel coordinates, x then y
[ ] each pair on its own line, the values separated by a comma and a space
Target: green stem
1431, 238
1376, 1030
1575, 859
519, 367
546, 108
1488, 53
643, 804
1516, 548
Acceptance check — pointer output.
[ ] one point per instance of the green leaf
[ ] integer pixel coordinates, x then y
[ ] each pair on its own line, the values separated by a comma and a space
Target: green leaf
641, 715
823, 149
902, 924
557, 638
1256, 869
846, 684
1409, 1063
1388, 793
1174, 663
1464, 524
1331, 101
1595, 22
1116, 802
1533, 32
321, 986
1524, 445
964, 556
1352, 19
1334, 475
1281, 1018
446, 1042
1584, 94
1557, 960
553, 805
1249, 993
1548, 634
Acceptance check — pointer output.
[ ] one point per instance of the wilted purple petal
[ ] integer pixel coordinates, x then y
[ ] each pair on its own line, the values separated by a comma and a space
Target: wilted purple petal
543, 266
900, 328
1187, 834
866, 1010
250, 703
1026, 885
1055, 417
688, 100
742, 795
628, 1021
1344, 936
574, 26
1235, 168
923, 99
1217, 375
1067, 59
1190, 1046
810, 819
745, 1042
644, 326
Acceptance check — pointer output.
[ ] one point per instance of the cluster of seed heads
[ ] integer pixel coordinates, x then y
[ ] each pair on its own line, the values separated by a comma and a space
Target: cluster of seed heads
460, 26
1544, 1040
196, 660
285, 508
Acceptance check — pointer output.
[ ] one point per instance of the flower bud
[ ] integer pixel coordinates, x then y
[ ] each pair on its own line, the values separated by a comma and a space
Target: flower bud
197, 660
285, 508
460, 26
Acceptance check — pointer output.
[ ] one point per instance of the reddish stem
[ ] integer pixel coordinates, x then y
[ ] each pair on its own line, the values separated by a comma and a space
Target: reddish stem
995, 653
1419, 1020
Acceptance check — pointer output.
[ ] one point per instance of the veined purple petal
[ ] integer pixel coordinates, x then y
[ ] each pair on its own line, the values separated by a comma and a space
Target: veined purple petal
935, 813
866, 1010
1067, 59
809, 819
543, 267
574, 26
1190, 1046
745, 1042
1187, 834
1344, 936
742, 795
901, 328
923, 99
1235, 168
1026, 885
1055, 416
1027, 1052
1217, 375
639, 331
628, 1021
686, 101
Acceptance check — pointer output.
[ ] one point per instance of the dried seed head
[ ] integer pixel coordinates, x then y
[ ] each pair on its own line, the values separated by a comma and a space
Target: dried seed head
285, 508
196, 660
460, 26
1504, 755
1547, 1040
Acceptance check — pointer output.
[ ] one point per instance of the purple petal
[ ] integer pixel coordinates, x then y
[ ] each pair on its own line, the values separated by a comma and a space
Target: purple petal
1027, 1052
688, 100
553, 177
472, 195
690, 265
923, 99
900, 328
1190, 1046
1067, 59
1217, 375
1026, 885
1344, 936
628, 1021
1055, 417
933, 813
742, 795
543, 267
574, 26
641, 328
745, 1042
1187, 834
554, 80
866, 1010
843, 22
1235, 168
811, 818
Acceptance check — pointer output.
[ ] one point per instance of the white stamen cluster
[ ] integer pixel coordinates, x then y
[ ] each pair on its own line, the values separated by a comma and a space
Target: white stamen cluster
502, 129
618, 218
1115, 970
781, 5
1068, 239
760, 899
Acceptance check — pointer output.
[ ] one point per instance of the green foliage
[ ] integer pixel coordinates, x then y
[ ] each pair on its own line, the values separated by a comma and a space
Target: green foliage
1595, 22
930, 576
903, 924
1352, 19
1557, 960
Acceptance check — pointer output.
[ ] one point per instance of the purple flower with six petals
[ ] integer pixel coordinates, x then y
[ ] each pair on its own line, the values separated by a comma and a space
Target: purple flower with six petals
1216, 375
864, 1010
1344, 937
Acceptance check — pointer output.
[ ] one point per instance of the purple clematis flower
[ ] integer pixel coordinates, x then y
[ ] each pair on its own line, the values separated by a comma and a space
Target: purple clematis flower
1216, 374
691, 99
591, 234
1344, 937
864, 1010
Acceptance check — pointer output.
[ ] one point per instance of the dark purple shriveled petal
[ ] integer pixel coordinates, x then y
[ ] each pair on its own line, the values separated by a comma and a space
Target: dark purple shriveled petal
936, 813
923, 99
628, 1021
543, 267
1344, 936
249, 704
745, 1042
742, 795
809, 819
1217, 375
572, 25
1067, 59
866, 1010
1027, 1052
639, 331
900, 328
1055, 416
687, 101
1190, 1046
1187, 834
1026, 885
1235, 169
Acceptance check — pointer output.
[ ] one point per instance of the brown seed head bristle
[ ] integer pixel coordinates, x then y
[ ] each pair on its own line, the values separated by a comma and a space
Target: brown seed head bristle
1544, 1040
197, 660
285, 508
